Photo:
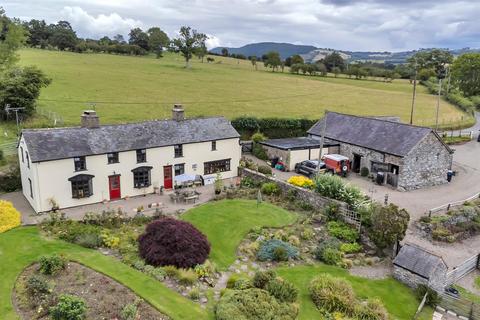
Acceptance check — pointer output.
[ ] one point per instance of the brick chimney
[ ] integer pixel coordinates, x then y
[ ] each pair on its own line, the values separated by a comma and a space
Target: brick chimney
90, 119
178, 113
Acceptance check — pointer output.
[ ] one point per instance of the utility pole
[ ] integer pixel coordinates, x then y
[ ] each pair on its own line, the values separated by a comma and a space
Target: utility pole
438, 102
414, 91
322, 141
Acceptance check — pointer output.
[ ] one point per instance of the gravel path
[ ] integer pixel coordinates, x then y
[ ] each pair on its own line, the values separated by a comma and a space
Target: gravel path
381, 270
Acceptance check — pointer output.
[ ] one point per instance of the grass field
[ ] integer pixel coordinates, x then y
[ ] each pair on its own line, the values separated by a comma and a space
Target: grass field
138, 88
22, 246
227, 222
397, 298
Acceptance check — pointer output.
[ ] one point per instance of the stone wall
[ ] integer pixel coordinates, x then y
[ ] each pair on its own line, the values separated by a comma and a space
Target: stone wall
368, 155
426, 165
314, 199
410, 279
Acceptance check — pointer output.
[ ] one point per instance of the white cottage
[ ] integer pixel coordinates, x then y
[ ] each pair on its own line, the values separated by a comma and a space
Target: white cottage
93, 163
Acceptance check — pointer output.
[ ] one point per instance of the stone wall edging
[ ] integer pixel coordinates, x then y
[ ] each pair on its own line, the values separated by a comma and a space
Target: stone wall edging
314, 199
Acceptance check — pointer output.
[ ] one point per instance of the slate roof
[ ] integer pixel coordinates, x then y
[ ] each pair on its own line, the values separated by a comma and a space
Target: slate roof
417, 260
377, 134
61, 143
297, 143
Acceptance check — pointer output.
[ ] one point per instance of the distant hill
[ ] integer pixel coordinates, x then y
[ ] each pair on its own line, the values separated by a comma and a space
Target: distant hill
258, 49
312, 54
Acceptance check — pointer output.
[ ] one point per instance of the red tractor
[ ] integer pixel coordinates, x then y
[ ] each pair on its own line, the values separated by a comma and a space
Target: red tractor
337, 164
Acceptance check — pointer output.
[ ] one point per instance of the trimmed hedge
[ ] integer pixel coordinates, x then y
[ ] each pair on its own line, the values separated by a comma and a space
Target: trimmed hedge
272, 127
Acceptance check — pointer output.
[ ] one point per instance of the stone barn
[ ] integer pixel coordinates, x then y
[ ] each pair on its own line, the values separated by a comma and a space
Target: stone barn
414, 266
409, 156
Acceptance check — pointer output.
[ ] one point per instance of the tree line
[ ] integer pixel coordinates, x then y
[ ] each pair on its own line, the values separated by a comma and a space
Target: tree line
63, 37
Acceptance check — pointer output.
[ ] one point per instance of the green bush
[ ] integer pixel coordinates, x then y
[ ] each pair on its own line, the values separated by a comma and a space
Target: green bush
332, 294
335, 188
350, 247
258, 137
433, 298
253, 304
265, 170
259, 152
234, 278
282, 290
187, 276
364, 172
280, 254
268, 248
51, 264
242, 284
194, 294
89, 240
262, 278
459, 100
270, 188
342, 231
37, 286
68, 308
373, 309
129, 312
171, 271
329, 252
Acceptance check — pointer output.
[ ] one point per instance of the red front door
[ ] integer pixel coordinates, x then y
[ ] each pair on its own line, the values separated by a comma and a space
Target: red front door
114, 185
167, 177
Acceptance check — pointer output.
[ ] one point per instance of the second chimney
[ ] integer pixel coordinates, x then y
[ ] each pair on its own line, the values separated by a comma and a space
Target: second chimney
178, 113
90, 119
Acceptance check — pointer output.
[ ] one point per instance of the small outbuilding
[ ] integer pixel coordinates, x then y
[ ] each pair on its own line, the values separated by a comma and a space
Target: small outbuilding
294, 150
407, 156
415, 266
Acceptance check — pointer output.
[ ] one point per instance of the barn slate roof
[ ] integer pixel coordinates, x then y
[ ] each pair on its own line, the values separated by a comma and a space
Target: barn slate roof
61, 143
381, 135
297, 143
417, 260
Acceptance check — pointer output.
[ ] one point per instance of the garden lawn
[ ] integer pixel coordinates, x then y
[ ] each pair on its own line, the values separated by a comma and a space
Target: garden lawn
397, 298
226, 223
22, 246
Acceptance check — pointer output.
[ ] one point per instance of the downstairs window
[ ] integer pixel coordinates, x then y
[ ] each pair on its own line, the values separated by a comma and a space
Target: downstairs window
216, 166
81, 186
141, 177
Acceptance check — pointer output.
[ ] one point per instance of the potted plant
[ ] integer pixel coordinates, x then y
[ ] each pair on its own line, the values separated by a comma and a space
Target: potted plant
218, 183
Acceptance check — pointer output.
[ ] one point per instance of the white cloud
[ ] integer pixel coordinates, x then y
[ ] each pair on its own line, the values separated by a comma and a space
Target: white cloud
341, 24
96, 26
212, 41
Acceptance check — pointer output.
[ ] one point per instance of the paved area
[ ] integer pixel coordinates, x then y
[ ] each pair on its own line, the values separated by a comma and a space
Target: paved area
129, 206
468, 282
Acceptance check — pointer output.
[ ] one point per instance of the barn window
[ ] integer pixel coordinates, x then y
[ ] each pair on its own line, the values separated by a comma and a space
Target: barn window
112, 157
141, 155
178, 151
28, 159
31, 187
216, 166
141, 177
80, 163
81, 186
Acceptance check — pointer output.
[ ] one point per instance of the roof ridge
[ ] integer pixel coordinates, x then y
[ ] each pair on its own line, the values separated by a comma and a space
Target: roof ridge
382, 120
124, 123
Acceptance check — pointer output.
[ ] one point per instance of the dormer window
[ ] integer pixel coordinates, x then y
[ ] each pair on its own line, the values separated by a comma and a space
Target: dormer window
141, 155
80, 163
178, 151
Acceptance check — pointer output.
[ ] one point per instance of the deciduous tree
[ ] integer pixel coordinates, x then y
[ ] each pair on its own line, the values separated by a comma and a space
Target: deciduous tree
157, 40
466, 73
272, 60
139, 37
188, 42
389, 224
12, 36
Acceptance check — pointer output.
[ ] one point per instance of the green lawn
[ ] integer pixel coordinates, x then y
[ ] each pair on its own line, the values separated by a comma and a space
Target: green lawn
397, 298
226, 223
138, 88
22, 246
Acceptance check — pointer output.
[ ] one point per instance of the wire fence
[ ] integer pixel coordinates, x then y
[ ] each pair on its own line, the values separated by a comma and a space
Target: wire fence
459, 305
448, 206
57, 119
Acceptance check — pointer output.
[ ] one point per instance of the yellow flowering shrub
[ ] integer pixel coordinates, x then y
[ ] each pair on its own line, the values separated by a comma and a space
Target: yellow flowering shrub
301, 181
109, 240
9, 216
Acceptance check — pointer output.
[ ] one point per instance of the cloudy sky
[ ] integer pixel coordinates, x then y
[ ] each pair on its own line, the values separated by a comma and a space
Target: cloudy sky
340, 24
